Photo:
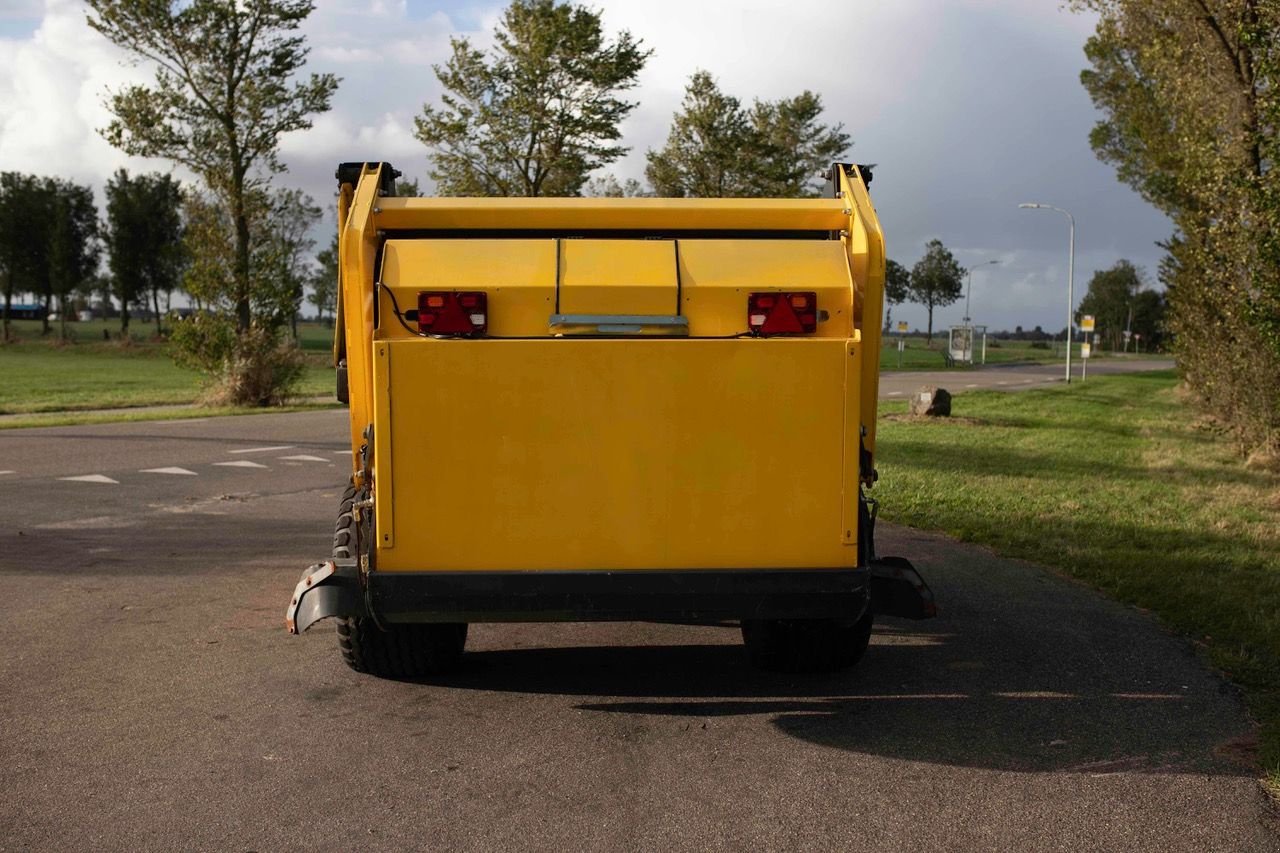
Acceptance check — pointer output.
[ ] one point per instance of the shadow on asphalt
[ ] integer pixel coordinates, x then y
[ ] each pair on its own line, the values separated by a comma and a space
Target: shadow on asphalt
918, 695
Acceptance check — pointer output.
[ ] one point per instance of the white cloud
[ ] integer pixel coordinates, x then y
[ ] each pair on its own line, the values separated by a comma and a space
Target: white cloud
968, 107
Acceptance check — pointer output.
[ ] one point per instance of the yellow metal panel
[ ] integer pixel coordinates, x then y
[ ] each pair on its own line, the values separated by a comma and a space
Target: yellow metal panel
357, 249
383, 470
850, 458
868, 260
579, 214
617, 277
519, 277
567, 454
717, 275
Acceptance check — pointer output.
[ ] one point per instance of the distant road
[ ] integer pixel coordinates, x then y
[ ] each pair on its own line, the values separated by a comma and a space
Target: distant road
1014, 377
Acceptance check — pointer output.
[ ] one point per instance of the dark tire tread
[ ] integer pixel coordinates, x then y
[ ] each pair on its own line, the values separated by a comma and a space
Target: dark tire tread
403, 651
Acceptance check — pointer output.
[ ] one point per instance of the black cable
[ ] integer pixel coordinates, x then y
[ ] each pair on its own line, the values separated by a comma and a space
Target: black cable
395, 307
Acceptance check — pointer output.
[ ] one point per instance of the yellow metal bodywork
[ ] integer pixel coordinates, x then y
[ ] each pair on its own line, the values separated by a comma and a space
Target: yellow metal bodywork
618, 277
526, 451
615, 454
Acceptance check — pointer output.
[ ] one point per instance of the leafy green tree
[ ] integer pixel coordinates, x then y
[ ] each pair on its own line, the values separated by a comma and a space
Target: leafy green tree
1112, 300
607, 186
897, 287
717, 148
144, 240
22, 252
538, 113
224, 92
1187, 91
324, 280
937, 279
73, 250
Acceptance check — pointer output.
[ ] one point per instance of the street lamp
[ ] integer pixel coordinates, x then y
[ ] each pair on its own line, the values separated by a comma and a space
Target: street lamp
1071, 264
969, 288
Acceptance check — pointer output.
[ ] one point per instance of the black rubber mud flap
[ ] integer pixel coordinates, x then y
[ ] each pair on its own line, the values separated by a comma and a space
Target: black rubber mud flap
898, 590
331, 588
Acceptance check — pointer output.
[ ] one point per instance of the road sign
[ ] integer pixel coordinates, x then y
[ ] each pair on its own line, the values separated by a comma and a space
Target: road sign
1084, 350
1086, 323
902, 328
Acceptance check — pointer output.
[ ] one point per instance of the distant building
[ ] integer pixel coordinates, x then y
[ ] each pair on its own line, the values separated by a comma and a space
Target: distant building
27, 311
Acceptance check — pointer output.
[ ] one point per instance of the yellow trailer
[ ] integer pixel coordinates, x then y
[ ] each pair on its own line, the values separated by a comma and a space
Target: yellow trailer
607, 409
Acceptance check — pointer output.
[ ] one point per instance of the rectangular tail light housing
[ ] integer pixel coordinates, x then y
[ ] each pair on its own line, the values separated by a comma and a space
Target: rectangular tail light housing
456, 313
782, 313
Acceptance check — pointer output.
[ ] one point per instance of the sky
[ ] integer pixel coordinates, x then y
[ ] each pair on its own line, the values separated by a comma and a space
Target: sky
968, 108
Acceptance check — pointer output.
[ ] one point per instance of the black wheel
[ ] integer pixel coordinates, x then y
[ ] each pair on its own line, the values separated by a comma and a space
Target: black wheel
401, 651
806, 645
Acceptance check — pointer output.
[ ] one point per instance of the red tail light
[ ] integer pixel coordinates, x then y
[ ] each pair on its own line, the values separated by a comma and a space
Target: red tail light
782, 313
453, 313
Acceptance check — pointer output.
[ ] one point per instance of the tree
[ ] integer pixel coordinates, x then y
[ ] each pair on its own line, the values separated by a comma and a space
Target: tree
1187, 91
254, 366
223, 94
538, 113
324, 280
937, 279
144, 240
897, 287
1110, 299
716, 148
73, 250
607, 186
286, 242
21, 249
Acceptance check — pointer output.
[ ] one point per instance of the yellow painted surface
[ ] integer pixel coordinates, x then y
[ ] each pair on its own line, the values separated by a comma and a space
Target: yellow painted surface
357, 249
567, 454
618, 277
519, 277
716, 277
579, 214
867, 258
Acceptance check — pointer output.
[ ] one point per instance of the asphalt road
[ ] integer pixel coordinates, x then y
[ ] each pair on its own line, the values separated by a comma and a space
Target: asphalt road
151, 700
1011, 377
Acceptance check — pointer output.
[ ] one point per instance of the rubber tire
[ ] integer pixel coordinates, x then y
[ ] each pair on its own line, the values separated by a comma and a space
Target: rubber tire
806, 645
402, 651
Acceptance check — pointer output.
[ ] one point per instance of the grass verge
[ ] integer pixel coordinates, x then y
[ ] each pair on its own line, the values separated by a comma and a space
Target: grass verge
52, 419
1115, 482
39, 377
918, 354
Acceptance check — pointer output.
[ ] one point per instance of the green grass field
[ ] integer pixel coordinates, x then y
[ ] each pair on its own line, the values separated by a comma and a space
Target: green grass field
919, 355
87, 373
1117, 483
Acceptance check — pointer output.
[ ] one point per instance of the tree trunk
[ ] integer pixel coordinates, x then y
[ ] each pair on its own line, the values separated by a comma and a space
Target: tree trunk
929, 339
155, 299
241, 218
124, 319
44, 321
8, 306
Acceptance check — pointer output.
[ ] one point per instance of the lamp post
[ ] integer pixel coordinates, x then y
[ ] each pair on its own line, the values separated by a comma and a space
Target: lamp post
1071, 264
969, 287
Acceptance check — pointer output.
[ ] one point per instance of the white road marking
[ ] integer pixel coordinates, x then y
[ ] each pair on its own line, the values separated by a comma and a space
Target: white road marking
971, 386
8, 472
167, 471
183, 421
895, 394
302, 457
347, 452
262, 449
240, 463
1002, 383
91, 478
